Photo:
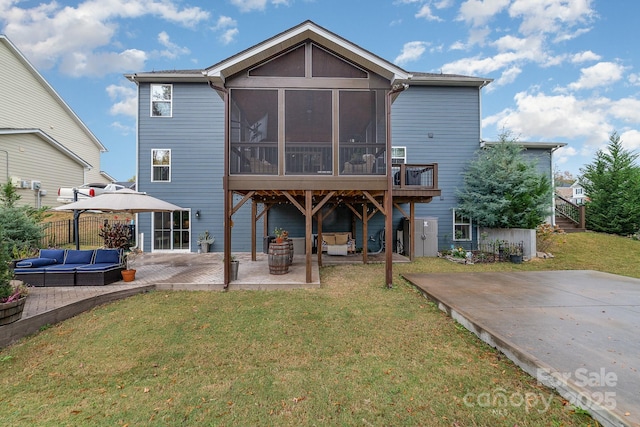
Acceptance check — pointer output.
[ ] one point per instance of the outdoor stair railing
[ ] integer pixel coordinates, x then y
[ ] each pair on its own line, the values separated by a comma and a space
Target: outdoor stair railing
574, 213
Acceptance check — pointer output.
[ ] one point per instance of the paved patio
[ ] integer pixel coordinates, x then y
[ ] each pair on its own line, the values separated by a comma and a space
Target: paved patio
575, 331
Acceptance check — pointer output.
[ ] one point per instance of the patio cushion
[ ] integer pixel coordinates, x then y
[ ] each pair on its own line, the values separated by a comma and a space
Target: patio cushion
329, 239
35, 262
107, 256
62, 268
98, 267
79, 257
57, 254
342, 238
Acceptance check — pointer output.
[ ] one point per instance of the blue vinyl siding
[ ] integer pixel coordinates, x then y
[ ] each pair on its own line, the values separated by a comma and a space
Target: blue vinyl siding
195, 135
451, 115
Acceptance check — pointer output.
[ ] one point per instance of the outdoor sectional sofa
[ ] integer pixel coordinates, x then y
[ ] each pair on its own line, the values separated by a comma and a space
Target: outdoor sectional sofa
68, 267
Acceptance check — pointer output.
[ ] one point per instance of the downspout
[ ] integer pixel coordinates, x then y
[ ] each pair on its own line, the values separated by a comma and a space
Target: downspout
388, 202
553, 187
228, 200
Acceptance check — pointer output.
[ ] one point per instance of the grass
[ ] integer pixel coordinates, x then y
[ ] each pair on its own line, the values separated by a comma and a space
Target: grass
349, 353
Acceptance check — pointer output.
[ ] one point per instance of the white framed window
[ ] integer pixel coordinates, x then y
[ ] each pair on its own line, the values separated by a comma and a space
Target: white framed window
161, 100
461, 226
161, 165
398, 155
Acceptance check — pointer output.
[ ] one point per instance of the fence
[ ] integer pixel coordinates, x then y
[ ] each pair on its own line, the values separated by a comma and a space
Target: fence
61, 233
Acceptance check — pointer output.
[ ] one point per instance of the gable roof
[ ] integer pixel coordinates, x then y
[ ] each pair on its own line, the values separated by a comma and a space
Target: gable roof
307, 30
14, 50
48, 139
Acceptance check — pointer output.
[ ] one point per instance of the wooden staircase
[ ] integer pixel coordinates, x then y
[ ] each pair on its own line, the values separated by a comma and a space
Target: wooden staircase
569, 216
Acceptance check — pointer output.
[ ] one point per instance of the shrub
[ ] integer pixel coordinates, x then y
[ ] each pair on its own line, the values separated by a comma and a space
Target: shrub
116, 235
548, 237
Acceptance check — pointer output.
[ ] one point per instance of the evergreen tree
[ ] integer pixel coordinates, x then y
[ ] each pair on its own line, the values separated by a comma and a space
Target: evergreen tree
612, 185
504, 190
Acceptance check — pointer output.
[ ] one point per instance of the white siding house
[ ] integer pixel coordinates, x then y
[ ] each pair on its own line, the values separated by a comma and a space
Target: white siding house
42, 140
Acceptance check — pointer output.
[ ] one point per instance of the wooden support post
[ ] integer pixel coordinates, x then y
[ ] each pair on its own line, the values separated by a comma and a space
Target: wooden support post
308, 232
365, 232
319, 241
254, 225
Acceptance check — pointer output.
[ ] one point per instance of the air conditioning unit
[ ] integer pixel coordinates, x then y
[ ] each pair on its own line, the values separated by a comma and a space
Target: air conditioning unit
35, 185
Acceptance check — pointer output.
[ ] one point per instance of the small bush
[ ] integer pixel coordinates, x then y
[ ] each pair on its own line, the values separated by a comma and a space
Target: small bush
548, 237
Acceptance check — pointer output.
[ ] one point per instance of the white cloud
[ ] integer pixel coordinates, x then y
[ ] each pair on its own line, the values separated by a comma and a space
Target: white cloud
224, 22
630, 139
51, 33
229, 29
172, 50
99, 64
601, 74
425, 12
411, 51
479, 12
546, 117
126, 100
508, 76
585, 56
229, 36
551, 16
251, 5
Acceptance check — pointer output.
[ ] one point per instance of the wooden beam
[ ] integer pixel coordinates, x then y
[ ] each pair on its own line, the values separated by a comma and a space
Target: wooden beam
242, 202
374, 201
308, 233
294, 202
399, 207
325, 199
354, 210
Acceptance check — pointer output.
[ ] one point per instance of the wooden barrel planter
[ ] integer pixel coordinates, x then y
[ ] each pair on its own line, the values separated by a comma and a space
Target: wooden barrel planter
279, 258
11, 311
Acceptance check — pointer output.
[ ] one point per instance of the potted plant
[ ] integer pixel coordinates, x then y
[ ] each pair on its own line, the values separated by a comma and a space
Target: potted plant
515, 253
205, 240
129, 274
278, 232
13, 293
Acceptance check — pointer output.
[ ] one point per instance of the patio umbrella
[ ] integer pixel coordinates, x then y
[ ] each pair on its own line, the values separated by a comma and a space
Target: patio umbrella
124, 200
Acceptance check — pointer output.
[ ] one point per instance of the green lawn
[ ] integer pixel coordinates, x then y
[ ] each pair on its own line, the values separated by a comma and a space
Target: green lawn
349, 353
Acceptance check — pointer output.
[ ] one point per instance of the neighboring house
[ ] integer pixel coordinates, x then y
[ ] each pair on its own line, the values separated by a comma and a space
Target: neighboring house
578, 195
43, 144
574, 193
295, 132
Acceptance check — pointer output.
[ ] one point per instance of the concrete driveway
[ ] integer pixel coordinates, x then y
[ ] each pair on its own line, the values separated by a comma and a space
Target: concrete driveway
575, 331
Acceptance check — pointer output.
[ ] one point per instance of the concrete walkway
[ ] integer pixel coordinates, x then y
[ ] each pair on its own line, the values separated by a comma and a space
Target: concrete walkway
575, 331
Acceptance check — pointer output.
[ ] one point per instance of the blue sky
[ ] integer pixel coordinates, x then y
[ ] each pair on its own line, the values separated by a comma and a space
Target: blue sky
563, 70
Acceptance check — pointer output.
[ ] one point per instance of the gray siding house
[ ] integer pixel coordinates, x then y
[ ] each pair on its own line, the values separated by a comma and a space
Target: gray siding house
309, 132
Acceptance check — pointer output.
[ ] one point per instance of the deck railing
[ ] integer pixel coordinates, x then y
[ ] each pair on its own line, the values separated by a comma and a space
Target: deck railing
415, 175
571, 211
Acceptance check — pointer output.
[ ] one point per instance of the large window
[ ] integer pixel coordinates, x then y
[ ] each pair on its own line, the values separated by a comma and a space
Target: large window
160, 165
171, 230
161, 100
308, 131
461, 226
254, 131
362, 131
